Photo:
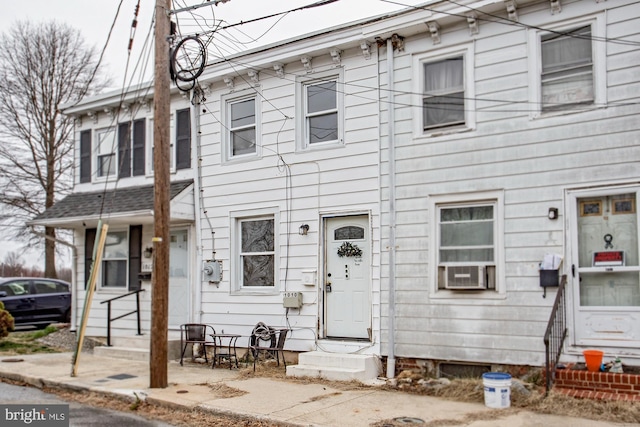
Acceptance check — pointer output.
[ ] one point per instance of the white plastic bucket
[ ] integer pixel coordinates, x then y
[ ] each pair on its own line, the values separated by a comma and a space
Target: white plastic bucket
497, 389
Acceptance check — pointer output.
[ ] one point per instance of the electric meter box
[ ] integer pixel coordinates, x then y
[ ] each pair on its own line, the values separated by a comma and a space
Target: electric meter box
292, 299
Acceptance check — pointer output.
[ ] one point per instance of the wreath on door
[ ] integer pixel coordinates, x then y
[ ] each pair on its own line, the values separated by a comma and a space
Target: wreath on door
348, 249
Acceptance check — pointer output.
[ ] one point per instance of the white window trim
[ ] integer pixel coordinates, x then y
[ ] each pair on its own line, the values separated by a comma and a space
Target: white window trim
226, 101
468, 58
96, 154
336, 74
236, 269
149, 143
495, 197
599, 59
116, 289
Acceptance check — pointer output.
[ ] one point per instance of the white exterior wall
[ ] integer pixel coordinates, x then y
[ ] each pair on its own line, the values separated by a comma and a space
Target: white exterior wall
327, 181
531, 161
184, 205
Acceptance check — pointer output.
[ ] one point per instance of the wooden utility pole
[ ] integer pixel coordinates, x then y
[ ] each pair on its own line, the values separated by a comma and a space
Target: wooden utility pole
161, 165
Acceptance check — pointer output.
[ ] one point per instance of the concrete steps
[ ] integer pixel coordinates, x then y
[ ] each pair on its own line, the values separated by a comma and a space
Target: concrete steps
336, 367
136, 348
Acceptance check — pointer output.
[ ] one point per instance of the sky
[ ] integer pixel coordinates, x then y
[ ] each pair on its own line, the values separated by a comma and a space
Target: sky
94, 18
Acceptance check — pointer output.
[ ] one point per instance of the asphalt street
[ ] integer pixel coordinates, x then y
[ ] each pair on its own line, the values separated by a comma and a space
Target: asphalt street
79, 415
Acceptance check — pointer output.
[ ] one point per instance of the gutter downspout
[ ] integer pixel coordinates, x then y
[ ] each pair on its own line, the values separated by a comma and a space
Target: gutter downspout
74, 262
391, 360
197, 200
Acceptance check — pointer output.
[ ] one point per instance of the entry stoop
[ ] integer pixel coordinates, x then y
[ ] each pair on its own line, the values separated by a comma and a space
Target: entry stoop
336, 367
135, 348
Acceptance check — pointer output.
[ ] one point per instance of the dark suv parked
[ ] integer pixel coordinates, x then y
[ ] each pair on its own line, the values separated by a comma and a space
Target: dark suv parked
36, 301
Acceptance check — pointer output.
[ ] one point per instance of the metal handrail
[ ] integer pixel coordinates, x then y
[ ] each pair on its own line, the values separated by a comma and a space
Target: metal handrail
109, 319
555, 334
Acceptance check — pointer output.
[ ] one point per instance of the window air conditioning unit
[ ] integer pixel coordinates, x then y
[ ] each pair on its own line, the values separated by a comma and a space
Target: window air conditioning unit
465, 277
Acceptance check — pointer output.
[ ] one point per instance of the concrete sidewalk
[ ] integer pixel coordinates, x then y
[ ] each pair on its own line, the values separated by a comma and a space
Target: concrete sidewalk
298, 404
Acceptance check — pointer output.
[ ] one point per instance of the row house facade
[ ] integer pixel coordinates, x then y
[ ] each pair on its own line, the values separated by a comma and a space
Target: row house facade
389, 187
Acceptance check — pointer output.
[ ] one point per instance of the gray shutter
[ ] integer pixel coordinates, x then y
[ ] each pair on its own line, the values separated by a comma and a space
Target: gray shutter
138, 147
135, 250
124, 150
89, 241
85, 156
183, 139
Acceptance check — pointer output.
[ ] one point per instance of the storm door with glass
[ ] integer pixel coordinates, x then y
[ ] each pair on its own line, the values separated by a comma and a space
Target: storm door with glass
605, 268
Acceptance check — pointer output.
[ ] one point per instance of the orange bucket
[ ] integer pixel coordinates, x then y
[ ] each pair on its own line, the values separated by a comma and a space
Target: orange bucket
593, 359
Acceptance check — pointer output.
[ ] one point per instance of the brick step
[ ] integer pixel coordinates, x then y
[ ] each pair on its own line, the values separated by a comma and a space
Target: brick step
598, 385
598, 395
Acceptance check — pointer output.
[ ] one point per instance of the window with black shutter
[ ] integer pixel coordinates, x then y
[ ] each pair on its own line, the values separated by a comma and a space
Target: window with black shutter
138, 147
85, 156
124, 150
183, 139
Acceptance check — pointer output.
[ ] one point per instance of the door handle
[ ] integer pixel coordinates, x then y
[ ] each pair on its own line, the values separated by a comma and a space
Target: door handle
327, 286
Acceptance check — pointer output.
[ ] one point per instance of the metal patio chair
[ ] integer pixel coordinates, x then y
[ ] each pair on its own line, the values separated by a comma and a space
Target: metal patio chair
196, 333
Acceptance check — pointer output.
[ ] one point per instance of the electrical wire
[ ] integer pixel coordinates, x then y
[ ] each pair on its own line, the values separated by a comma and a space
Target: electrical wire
507, 21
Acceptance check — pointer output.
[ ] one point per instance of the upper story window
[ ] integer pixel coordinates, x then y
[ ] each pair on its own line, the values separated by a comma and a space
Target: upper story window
567, 68
131, 148
119, 151
444, 96
322, 111
242, 126
106, 159
180, 141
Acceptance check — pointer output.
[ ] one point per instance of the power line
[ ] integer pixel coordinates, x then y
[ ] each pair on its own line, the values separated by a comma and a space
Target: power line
507, 21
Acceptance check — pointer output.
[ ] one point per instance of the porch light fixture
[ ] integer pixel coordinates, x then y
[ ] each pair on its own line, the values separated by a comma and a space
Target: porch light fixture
553, 213
148, 251
303, 230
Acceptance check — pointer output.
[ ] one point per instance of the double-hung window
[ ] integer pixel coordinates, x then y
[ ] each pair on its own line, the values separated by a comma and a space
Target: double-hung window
241, 127
121, 259
106, 158
321, 115
256, 252
320, 120
467, 254
567, 68
443, 93
114, 260
467, 234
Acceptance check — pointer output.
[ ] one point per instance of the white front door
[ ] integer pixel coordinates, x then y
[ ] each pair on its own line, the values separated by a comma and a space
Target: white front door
347, 281
605, 271
178, 278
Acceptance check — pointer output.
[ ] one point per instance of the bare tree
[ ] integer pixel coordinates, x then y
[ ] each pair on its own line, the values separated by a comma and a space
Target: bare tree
12, 265
42, 67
